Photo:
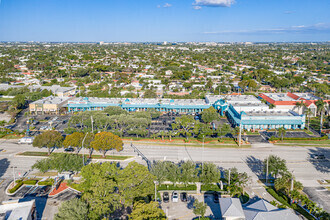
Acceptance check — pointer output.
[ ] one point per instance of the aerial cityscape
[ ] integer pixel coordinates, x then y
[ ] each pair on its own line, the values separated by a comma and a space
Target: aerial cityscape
143, 110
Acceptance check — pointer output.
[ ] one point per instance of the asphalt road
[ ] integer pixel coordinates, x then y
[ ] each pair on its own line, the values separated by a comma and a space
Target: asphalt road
248, 160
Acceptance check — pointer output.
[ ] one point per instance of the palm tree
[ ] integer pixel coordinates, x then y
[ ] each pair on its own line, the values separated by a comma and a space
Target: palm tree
300, 105
320, 104
281, 132
308, 112
320, 109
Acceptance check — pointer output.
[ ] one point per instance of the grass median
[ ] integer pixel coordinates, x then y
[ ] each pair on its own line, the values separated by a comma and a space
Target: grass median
305, 143
45, 154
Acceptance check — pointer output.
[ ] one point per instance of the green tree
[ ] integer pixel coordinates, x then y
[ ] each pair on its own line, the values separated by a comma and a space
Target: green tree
18, 101
73, 209
276, 166
284, 183
102, 198
135, 181
223, 130
188, 172
300, 105
210, 114
159, 170
147, 211
185, 125
49, 139
209, 173
115, 110
172, 172
150, 94
74, 140
281, 132
237, 181
308, 113
199, 208
60, 162
95, 171
105, 141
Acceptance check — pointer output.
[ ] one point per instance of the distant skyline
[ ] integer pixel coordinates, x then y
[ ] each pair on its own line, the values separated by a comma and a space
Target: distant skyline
169, 20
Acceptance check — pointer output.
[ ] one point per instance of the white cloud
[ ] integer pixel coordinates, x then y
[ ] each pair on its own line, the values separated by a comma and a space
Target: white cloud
289, 12
302, 29
197, 7
167, 5
214, 3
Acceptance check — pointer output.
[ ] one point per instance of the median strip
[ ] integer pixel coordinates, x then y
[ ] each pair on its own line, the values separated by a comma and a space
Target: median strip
45, 154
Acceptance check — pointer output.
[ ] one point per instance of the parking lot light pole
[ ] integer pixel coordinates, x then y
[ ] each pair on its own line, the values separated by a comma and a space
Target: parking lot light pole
14, 174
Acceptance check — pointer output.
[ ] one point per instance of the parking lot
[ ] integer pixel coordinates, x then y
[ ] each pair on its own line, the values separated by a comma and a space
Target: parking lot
288, 134
320, 195
184, 210
35, 191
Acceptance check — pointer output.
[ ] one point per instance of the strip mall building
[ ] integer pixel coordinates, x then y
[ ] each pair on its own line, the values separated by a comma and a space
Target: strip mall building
241, 110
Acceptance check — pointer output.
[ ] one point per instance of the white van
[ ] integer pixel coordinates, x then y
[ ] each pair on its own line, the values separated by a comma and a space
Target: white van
26, 140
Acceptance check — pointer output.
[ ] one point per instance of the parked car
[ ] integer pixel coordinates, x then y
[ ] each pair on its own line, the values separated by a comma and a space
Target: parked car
26, 140
318, 156
70, 149
175, 197
215, 197
166, 197
184, 197
47, 118
35, 122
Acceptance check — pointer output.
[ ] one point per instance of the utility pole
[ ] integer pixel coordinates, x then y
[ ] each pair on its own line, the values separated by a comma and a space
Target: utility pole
267, 169
240, 133
82, 145
92, 124
321, 122
203, 156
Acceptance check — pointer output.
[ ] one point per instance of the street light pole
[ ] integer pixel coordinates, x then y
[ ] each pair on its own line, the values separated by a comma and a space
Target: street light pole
155, 182
82, 145
203, 156
267, 169
92, 123
229, 178
240, 133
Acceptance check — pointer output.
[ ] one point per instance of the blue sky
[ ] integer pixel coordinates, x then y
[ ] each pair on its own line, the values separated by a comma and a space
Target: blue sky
168, 20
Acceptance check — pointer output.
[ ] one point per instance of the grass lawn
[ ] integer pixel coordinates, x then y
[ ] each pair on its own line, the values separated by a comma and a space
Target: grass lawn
11, 136
192, 142
5, 99
46, 174
321, 143
251, 133
45, 154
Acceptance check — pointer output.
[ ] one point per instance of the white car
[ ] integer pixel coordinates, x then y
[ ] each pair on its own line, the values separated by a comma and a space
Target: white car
175, 197
26, 140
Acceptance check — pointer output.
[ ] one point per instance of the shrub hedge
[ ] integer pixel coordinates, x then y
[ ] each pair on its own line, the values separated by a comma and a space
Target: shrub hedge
212, 187
46, 182
16, 187
273, 138
177, 187
285, 201
30, 182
